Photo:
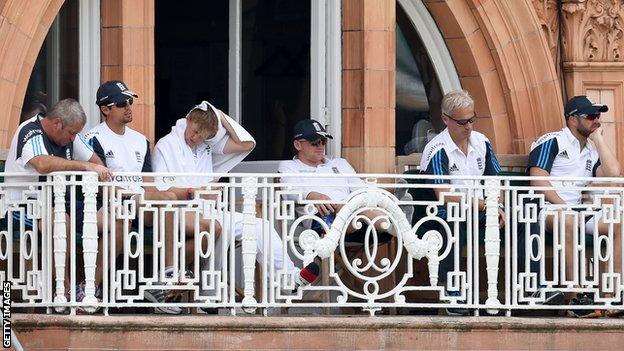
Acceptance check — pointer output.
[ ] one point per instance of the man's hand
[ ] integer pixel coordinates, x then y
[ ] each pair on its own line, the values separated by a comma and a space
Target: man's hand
596, 136
501, 218
104, 173
323, 209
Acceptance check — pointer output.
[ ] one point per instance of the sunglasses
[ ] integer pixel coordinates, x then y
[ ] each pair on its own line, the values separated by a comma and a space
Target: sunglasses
318, 142
462, 122
122, 104
590, 117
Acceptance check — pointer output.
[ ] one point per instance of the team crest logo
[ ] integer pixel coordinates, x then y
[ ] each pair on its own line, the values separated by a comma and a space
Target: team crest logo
335, 169
588, 166
138, 157
479, 163
68, 154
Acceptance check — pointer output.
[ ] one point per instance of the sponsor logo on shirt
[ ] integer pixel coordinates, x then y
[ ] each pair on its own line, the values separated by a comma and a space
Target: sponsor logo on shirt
564, 154
454, 168
335, 169
31, 133
138, 157
109, 154
588, 166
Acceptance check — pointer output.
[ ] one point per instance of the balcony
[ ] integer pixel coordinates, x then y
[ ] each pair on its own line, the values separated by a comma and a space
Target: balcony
488, 276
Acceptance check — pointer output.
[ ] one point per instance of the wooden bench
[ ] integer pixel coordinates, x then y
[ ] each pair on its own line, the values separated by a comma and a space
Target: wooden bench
509, 163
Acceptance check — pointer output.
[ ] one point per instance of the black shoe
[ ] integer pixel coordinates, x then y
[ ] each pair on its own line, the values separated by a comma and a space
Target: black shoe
583, 300
456, 311
555, 297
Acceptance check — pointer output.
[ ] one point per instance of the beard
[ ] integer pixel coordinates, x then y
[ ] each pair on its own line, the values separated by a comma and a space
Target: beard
587, 131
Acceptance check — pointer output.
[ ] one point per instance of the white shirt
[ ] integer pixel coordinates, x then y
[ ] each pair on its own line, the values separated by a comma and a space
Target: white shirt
128, 152
336, 188
31, 141
559, 153
442, 156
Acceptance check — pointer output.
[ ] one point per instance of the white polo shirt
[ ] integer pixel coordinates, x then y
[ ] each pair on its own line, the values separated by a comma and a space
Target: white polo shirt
128, 152
442, 156
336, 188
559, 153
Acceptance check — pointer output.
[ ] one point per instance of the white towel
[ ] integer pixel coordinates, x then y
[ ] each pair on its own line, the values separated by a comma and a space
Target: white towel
172, 154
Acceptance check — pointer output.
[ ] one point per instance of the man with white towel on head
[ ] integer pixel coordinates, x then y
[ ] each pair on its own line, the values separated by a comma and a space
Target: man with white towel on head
209, 141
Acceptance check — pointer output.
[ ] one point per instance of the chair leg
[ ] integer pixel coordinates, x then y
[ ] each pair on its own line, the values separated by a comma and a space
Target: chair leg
325, 282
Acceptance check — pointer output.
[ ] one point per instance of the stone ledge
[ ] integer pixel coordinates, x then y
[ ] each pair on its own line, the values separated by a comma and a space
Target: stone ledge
293, 323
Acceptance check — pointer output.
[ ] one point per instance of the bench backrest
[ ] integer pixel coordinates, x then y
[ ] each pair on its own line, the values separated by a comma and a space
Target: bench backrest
508, 162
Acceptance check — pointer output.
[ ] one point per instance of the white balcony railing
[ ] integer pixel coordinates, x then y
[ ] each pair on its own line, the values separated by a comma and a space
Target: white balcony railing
490, 268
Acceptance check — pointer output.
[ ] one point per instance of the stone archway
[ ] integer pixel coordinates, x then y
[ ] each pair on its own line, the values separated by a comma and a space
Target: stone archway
23, 28
504, 61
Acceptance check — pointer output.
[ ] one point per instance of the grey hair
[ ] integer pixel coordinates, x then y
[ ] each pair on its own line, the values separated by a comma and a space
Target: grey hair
69, 111
456, 100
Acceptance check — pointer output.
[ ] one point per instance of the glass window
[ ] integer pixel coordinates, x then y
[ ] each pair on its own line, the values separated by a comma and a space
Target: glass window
418, 93
55, 73
191, 58
275, 73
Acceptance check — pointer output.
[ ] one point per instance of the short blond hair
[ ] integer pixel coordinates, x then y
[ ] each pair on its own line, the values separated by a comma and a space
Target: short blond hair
206, 119
456, 100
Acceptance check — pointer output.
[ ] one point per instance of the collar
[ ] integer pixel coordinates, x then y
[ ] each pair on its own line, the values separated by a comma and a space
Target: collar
324, 163
450, 144
567, 133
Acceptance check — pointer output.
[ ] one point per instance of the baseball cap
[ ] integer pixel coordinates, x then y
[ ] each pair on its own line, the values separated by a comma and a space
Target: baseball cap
310, 130
112, 92
582, 105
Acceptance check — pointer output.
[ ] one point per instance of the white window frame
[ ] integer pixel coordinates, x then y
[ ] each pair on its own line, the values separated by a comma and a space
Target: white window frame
89, 59
325, 73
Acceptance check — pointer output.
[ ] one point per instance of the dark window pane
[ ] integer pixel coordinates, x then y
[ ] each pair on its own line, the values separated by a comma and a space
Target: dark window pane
275, 73
191, 58
418, 93
49, 75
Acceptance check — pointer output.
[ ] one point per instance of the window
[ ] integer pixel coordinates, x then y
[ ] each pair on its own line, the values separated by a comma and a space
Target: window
252, 60
55, 73
418, 92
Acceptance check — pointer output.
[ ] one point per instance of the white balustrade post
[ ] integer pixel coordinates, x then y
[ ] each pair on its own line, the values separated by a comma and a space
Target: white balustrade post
249, 248
492, 241
60, 240
90, 239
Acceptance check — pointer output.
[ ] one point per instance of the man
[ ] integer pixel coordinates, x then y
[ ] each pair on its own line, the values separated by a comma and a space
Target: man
123, 149
309, 141
459, 150
578, 150
209, 141
51, 143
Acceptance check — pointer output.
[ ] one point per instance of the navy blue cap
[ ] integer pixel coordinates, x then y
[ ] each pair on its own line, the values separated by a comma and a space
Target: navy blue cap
310, 130
582, 105
112, 92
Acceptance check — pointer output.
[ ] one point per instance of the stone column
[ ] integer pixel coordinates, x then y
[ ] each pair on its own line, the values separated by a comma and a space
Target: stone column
368, 84
128, 54
593, 61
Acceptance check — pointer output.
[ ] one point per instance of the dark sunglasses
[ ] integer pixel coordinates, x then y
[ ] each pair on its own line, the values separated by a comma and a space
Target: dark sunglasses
463, 122
122, 104
590, 117
318, 142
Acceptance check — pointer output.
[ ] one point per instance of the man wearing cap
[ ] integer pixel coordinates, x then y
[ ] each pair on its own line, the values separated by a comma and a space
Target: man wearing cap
309, 140
567, 153
123, 149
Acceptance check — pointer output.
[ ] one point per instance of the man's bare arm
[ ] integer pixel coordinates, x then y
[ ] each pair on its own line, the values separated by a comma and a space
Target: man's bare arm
550, 195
